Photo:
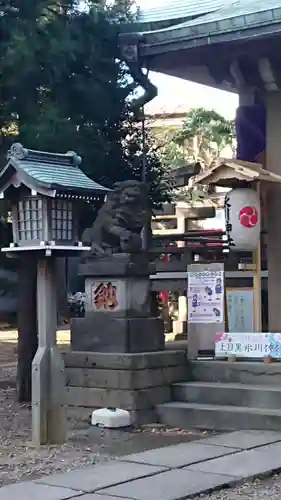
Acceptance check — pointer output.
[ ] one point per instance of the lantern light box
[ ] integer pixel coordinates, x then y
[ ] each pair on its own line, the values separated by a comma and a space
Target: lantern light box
243, 219
45, 190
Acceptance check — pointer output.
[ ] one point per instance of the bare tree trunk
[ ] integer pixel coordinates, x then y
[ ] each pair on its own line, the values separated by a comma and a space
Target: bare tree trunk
27, 325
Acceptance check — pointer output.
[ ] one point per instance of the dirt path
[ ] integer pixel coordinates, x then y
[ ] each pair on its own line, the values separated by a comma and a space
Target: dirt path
9, 339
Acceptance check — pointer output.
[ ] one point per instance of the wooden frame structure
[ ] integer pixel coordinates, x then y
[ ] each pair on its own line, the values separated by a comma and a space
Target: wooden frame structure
230, 173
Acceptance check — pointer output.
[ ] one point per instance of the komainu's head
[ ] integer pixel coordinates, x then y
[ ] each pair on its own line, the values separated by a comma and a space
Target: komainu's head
129, 200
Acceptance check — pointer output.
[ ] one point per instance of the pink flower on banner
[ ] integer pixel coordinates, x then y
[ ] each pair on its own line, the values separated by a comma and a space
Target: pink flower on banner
219, 337
277, 337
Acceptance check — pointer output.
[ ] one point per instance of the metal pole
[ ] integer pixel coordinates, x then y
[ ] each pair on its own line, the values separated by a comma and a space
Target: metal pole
143, 170
146, 233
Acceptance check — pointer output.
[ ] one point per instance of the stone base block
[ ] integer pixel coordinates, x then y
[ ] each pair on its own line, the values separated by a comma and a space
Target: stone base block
134, 382
118, 265
104, 333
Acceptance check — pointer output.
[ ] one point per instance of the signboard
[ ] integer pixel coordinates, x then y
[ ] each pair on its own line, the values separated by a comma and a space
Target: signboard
248, 345
206, 296
240, 310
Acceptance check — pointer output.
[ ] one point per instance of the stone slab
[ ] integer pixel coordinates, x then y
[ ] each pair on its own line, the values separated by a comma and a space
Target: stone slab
124, 379
119, 265
179, 455
102, 332
141, 399
31, 490
171, 485
124, 361
244, 440
229, 394
218, 417
241, 372
97, 496
244, 464
176, 345
91, 479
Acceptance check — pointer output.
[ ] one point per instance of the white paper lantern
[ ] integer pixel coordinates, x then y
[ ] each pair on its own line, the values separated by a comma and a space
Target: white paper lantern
243, 219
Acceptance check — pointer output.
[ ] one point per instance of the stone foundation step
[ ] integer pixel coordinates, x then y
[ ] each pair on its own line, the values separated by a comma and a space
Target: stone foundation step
230, 394
245, 372
218, 417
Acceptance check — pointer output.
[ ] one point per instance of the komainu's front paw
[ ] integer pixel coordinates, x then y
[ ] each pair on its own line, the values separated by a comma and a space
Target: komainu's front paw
130, 242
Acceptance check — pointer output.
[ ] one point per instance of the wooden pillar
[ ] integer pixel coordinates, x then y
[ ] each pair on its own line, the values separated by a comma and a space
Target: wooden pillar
27, 325
48, 381
257, 281
273, 152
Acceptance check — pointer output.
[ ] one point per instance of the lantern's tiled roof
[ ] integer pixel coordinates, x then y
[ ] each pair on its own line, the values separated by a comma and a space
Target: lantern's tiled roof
52, 170
226, 172
66, 176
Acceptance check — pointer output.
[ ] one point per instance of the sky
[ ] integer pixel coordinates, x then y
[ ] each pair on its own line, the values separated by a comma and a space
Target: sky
173, 92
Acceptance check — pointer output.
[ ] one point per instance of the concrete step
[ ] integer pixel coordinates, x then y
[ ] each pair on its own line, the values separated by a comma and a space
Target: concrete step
230, 394
237, 372
218, 417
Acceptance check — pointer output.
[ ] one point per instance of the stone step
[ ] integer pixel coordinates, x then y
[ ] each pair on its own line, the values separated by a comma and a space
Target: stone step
237, 372
218, 417
230, 394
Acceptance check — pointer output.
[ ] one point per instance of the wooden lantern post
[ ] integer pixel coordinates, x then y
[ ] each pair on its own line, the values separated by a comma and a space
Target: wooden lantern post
257, 280
44, 190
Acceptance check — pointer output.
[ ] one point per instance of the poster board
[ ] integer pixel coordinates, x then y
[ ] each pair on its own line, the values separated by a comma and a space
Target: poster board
205, 296
240, 309
206, 311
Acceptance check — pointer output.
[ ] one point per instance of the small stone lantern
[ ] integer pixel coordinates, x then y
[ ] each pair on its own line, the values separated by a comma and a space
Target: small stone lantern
45, 190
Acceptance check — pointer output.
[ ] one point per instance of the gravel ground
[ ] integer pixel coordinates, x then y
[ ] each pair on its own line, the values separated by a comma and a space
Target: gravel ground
20, 460
259, 489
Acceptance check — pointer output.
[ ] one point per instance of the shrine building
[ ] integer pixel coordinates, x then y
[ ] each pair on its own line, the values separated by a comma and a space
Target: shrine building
232, 46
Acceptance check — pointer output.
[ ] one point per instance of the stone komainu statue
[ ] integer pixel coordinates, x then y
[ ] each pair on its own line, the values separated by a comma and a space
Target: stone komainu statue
117, 228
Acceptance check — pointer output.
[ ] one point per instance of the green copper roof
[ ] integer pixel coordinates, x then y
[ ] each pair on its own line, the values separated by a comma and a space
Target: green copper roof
63, 176
239, 19
180, 9
239, 12
51, 170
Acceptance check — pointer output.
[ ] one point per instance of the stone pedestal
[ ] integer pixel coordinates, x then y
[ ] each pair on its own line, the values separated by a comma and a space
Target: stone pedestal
133, 382
118, 314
